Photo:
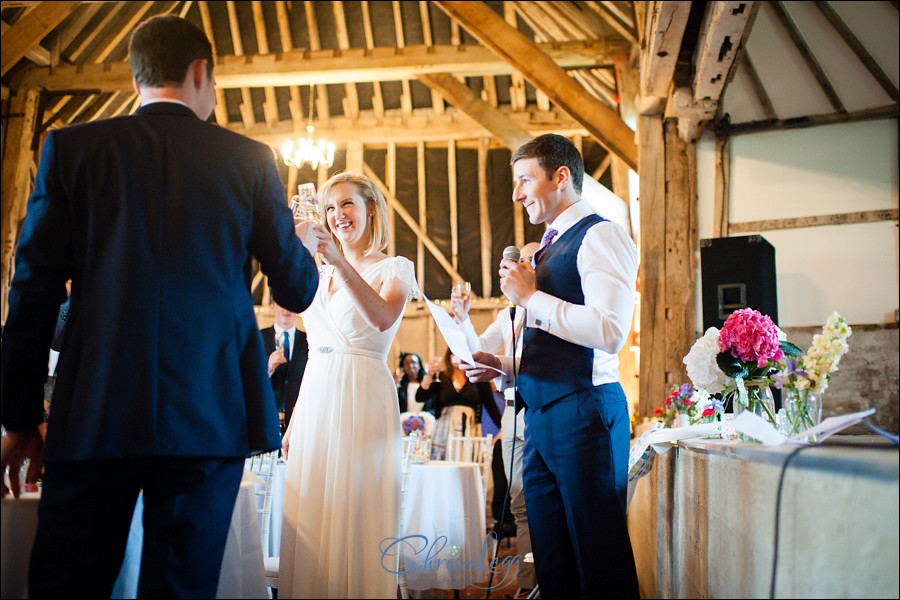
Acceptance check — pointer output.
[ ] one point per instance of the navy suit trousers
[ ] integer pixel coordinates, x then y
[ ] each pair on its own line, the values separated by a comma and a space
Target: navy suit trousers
85, 514
576, 480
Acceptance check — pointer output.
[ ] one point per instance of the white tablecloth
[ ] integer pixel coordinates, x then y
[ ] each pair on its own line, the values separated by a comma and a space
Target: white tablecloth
442, 499
444, 503
242, 574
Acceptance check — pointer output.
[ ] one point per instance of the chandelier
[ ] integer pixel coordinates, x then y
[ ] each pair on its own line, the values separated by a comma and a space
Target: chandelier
306, 150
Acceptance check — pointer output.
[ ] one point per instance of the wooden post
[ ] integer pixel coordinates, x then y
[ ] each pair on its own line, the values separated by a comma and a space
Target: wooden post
680, 243
487, 279
390, 174
423, 212
722, 181
651, 153
454, 214
16, 183
669, 241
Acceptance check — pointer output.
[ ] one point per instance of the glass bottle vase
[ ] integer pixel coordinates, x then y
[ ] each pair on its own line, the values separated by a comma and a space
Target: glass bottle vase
804, 410
759, 401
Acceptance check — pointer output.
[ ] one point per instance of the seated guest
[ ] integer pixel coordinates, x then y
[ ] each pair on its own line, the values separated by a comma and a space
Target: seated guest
288, 351
413, 372
457, 403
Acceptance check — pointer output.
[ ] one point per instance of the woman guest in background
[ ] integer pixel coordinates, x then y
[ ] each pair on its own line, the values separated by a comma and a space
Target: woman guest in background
412, 374
343, 443
457, 403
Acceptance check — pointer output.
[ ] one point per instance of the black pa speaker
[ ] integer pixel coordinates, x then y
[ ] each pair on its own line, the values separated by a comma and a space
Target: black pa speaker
737, 272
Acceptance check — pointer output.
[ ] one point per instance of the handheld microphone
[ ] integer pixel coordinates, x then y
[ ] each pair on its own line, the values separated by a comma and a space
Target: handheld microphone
512, 253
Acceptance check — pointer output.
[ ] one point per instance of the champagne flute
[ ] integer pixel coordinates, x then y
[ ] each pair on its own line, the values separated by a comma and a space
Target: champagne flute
307, 198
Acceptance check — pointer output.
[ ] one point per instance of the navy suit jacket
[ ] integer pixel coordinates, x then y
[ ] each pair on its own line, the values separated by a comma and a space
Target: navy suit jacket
155, 217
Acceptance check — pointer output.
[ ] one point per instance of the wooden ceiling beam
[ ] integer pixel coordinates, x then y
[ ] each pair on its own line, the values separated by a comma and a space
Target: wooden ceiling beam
312, 28
351, 99
601, 121
377, 95
76, 25
405, 95
517, 98
77, 53
437, 101
423, 124
234, 26
463, 98
287, 44
616, 19
665, 24
331, 66
758, 87
38, 54
126, 21
858, 49
28, 31
794, 33
221, 108
270, 106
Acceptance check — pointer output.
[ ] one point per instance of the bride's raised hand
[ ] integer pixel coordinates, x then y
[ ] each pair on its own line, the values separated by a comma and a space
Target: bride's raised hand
327, 247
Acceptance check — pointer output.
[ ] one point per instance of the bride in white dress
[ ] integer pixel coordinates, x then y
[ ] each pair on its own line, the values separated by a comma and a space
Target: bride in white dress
342, 493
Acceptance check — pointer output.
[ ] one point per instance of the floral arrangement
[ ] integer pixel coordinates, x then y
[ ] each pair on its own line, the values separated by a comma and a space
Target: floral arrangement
810, 373
413, 423
747, 348
696, 405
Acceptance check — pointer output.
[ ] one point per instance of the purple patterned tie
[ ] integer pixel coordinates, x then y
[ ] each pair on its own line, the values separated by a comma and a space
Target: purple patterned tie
545, 243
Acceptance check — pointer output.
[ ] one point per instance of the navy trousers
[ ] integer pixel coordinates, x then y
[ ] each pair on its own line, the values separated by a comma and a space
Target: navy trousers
576, 481
85, 513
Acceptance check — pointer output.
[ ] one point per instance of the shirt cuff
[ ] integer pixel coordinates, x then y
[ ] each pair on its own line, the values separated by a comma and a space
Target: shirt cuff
505, 381
540, 309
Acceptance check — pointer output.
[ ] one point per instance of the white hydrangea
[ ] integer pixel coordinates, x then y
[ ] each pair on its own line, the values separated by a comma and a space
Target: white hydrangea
702, 369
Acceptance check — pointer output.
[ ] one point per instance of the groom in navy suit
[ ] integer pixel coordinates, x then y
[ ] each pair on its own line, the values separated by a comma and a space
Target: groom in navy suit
151, 215
579, 300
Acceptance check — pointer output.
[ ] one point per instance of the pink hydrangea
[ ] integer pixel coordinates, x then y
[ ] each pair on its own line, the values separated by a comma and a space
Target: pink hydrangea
750, 336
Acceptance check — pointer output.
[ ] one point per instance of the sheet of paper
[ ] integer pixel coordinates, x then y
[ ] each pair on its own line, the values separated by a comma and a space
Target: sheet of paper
760, 429
832, 425
662, 438
454, 335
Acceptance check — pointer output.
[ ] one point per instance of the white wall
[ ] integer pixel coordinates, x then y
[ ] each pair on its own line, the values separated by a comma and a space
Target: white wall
852, 269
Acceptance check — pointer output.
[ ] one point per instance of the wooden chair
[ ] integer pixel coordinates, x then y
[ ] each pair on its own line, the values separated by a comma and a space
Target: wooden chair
263, 466
408, 448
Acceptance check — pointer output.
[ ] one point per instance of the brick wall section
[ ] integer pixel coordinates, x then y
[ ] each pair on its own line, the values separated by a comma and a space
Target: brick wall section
868, 375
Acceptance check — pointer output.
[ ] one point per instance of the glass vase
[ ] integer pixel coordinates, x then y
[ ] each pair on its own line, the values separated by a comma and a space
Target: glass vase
759, 401
804, 410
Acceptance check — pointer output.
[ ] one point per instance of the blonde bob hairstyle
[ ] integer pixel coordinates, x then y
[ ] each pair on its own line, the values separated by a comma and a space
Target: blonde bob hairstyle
376, 208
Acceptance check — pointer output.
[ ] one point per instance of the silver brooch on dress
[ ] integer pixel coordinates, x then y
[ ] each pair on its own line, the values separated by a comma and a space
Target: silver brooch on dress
324, 349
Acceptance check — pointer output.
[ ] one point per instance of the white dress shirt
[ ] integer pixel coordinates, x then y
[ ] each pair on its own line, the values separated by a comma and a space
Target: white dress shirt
607, 262
498, 339
279, 335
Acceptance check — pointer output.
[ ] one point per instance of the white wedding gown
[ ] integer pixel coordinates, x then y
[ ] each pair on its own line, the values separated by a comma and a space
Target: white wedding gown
342, 492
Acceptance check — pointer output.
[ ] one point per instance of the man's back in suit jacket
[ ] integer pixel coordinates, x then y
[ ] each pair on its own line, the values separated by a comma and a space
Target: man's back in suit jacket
155, 218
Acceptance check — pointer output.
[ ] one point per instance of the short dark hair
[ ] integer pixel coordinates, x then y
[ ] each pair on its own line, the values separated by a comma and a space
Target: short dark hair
552, 152
163, 47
